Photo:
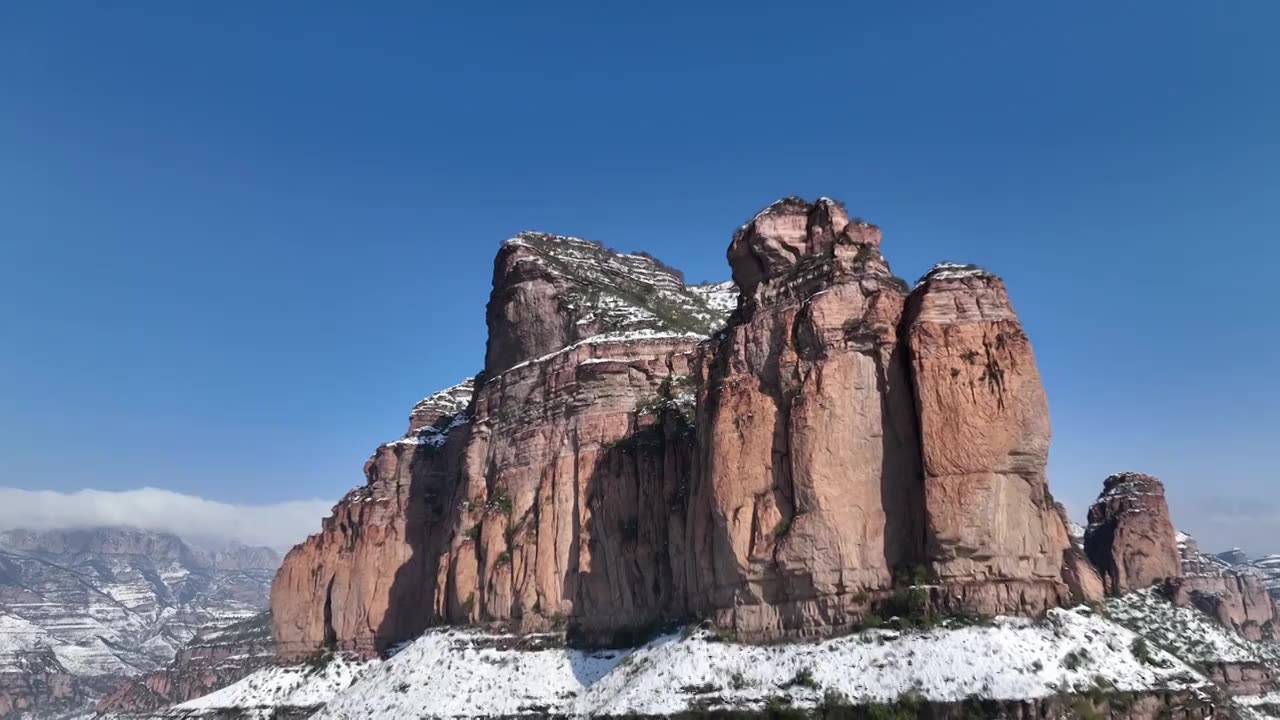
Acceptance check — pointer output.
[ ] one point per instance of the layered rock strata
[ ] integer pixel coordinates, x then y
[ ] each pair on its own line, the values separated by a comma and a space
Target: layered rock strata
615, 469
808, 490
995, 540
211, 661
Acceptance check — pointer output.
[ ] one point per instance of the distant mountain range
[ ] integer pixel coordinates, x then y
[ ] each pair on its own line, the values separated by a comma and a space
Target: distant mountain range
82, 610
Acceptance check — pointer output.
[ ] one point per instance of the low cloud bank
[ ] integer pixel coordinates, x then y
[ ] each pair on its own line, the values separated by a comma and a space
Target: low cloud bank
278, 526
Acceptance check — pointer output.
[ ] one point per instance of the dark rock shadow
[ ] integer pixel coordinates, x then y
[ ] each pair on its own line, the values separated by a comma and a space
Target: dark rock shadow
430, 514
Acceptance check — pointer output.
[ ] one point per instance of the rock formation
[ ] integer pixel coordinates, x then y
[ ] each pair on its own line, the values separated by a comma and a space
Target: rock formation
614, 468
364, 581
808, 488
995, 540
1233, 593
1236, 600
1130, 538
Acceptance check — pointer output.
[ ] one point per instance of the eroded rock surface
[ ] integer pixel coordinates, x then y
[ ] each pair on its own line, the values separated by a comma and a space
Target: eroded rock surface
367, 578
808, 493
629, 457
994, 538
1130, 538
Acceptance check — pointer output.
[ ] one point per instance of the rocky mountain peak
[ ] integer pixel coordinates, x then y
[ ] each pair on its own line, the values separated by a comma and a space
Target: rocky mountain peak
551, 291
98, 605
441, 408
947, 270
794, 237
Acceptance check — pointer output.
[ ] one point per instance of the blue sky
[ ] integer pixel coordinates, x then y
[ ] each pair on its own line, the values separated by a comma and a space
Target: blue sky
238, 242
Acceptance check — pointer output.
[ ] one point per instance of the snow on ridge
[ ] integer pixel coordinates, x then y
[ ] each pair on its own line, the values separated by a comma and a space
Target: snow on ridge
721, 297
304, 687
946, 270
1193, 635
457, 672
451, 400
606, 338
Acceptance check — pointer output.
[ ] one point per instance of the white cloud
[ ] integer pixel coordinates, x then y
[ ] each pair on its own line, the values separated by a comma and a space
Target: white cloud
278, 526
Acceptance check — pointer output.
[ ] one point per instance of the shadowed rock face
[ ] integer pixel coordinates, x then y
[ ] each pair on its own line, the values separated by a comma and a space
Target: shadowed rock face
1130, 538
366, 580
624, 461
1233, 593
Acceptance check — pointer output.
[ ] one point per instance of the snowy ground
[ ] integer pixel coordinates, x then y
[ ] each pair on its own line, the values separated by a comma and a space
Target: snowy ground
260, 695
1189, 634
1136, 643
1259, 707
466, 673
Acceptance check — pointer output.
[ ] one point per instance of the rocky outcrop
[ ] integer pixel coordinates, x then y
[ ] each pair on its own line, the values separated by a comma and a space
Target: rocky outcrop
570, 501
995, 540
1130, 538
550, 291
807, 498
623, 461
1236, 600
366, 581
546, 501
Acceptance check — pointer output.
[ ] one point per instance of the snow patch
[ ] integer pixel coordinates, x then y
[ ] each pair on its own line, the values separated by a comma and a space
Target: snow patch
465, 673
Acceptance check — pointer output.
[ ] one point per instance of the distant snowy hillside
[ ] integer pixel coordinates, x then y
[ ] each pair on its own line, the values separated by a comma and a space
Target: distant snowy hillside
93, 607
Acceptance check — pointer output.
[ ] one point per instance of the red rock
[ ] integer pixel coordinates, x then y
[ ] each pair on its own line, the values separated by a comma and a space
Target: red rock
809, 484
365, 580
614, 470
994, 538
1130, 538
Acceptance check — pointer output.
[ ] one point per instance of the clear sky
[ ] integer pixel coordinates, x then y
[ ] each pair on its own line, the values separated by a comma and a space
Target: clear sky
239, 240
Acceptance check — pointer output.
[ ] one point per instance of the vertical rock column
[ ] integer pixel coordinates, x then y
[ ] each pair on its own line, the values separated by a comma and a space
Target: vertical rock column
1130, 538
994, 538
808, 486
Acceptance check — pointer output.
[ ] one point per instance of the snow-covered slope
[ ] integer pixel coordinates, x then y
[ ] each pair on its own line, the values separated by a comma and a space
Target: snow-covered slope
280, 691
465, 673
1191, 635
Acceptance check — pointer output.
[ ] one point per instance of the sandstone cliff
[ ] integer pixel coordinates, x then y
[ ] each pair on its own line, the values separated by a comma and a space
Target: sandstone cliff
629, 456
1130, 538
996, 541
365, 581
807, 496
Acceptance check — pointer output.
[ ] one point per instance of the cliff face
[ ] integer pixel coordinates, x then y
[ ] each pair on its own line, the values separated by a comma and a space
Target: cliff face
995, 540
365, 581
615, 467
1130, 538
808, 489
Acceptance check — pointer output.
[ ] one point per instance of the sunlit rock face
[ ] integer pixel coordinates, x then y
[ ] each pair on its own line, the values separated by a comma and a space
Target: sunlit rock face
775, 454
